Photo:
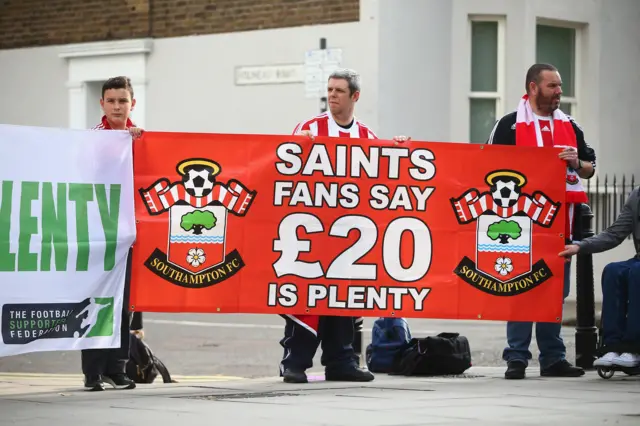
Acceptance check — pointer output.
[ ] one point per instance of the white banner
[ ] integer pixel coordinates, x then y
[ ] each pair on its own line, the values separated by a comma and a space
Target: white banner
66, 225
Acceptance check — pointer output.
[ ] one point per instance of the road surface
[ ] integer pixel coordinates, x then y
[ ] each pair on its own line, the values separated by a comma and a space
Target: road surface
248, 345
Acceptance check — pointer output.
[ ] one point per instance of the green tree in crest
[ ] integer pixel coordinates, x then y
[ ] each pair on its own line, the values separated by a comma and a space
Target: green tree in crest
198, 220
504, 230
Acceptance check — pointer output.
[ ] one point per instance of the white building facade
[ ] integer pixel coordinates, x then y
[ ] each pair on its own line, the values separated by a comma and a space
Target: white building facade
438, 70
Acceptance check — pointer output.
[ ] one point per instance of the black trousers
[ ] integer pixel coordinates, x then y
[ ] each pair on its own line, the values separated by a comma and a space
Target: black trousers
113, 361
335, 337
357, 336
108, 361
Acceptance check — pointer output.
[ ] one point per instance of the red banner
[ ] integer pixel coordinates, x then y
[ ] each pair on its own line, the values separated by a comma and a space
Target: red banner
285, 225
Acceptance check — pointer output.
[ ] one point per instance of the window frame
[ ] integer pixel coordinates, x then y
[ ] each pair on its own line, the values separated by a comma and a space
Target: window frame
574, 100
500, 93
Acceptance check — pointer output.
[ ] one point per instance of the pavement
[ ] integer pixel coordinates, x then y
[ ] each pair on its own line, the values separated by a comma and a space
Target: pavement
480, 397
223, 361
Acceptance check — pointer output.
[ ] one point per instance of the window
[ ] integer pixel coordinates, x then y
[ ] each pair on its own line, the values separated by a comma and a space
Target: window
487, 76
557, 46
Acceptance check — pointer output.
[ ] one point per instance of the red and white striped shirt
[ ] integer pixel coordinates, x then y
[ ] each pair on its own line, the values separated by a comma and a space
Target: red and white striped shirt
104, 124
325, 125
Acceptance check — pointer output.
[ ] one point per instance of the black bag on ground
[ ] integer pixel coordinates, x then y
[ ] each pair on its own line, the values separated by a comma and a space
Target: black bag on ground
444, 354
143, 366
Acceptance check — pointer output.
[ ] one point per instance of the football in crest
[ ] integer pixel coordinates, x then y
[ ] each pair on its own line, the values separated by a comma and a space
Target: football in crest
505, 187
198, 181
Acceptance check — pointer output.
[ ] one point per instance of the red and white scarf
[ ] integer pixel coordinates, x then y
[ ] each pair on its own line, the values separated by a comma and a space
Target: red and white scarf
563, 135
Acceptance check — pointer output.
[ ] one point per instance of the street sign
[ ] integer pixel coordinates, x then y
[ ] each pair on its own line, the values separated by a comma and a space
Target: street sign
269, 74
318, 65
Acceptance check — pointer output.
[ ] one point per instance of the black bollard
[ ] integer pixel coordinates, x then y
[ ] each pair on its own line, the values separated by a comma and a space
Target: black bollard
586, 330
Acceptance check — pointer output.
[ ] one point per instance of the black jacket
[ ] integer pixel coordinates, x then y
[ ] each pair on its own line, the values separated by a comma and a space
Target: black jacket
504, 133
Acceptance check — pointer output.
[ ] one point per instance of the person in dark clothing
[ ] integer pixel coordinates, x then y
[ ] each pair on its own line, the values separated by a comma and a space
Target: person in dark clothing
335, 336
620, 287
538, 121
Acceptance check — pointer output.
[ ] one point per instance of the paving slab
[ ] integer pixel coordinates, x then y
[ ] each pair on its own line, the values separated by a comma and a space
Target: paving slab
481, 397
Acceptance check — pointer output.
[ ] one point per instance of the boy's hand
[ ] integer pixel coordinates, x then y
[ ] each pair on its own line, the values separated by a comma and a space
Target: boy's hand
135, 132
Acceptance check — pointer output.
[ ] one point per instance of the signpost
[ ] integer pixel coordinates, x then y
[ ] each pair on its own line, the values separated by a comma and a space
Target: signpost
318, 65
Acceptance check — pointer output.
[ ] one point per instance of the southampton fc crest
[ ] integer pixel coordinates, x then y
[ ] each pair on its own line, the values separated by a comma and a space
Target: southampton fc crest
505, 218
196, 209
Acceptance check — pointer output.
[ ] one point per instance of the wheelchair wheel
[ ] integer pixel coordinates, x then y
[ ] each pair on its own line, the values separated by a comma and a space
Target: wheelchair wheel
605, 373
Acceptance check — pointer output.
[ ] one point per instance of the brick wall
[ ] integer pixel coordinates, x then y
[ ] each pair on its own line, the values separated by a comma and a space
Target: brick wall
26, 23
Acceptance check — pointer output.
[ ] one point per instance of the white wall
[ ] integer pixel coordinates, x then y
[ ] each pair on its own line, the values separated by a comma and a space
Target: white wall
33, 87
414, 68
619, 94
191, 80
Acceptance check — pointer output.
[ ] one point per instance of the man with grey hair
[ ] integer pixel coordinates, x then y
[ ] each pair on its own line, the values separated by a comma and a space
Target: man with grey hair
303, 333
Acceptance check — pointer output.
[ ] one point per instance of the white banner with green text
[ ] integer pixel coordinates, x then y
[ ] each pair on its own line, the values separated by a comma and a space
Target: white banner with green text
66, 226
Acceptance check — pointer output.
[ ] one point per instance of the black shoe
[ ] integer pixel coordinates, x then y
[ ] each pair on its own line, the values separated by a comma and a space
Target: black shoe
294, 376
515, 370
562, 369
94, 383
351, 374
120, 381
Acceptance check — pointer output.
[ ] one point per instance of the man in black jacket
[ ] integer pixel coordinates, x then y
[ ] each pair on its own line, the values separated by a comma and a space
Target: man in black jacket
538, 121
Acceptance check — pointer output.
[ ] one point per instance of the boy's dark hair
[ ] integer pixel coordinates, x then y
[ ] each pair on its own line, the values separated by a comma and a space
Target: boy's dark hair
120, 82
533, 75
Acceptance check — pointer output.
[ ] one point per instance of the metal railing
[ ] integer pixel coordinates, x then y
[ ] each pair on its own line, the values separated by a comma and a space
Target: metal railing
607, 196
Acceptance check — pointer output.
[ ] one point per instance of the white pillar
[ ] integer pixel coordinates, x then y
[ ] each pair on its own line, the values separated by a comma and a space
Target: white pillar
77, 104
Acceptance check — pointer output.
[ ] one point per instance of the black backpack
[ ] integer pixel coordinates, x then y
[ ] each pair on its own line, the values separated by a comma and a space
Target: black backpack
444, 354
143, 366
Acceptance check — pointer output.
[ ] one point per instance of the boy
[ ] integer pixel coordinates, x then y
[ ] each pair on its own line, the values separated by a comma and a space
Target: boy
108, 365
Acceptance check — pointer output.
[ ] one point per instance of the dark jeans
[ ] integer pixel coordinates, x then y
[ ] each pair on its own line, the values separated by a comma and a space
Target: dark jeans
335, 335
550, 343
621, 306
